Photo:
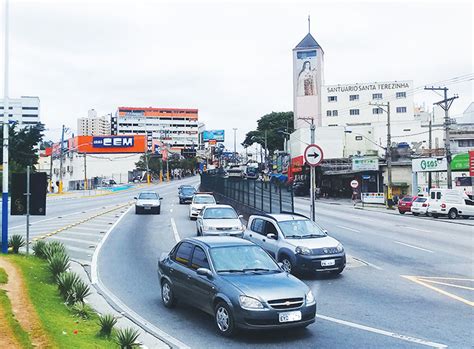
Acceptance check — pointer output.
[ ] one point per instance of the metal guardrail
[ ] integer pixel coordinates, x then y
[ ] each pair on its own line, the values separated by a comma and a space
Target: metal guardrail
270, 197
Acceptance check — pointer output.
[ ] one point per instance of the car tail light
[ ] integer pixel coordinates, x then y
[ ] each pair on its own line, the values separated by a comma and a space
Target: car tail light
443, 205
424, 205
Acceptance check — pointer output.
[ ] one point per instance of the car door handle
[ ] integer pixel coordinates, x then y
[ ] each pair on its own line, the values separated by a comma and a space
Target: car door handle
250, 235
264, 240
189, 277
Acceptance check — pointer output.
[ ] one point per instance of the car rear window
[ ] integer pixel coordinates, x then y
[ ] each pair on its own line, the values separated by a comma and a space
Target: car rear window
407, 198
421, 200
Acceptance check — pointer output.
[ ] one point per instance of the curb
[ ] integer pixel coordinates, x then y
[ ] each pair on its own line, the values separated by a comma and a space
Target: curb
119, 305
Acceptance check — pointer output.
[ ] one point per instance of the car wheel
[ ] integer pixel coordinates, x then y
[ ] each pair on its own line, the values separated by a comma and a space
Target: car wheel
401, 212
416, 214
434, 215
167, 295
137, 211
453, 213
198, 232
224, 320
287, 264
465, 217
158, 210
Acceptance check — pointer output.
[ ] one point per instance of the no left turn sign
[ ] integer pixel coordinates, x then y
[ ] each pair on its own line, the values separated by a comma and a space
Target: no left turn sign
313, 155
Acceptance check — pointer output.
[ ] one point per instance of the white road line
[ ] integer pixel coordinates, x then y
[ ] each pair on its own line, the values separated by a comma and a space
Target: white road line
423, 230
369, 264
383, 332
175, 230
344, 227
415, 247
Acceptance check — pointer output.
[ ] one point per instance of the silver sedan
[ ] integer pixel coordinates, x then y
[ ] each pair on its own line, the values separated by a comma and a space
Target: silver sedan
219, 220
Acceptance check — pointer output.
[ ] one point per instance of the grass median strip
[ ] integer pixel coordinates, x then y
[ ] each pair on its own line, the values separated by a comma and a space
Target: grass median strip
56, 322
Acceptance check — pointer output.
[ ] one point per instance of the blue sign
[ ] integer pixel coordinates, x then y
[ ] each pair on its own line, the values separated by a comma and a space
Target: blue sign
217, 135
113, 142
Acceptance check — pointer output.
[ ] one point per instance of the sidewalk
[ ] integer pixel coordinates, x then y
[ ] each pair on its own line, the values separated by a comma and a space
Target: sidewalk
349, 203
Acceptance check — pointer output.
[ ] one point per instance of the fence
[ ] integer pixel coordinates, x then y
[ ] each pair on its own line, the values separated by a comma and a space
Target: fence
266, 197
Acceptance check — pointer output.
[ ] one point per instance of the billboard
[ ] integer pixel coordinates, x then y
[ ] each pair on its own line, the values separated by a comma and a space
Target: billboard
217, 135
38, 185
113, 142
109, 144
429, 165
365, 164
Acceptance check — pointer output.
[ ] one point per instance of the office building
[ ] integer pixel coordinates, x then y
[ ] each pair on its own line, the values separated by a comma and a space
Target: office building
24, 111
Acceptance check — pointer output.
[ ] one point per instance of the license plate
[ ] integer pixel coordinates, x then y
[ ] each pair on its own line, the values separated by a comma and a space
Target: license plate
290, 316
328, 262
147, 207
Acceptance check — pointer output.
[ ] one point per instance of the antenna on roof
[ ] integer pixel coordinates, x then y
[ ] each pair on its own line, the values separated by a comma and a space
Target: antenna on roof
309, 24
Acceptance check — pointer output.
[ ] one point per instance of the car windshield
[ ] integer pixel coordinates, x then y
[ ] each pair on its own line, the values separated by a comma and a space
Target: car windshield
300, 229
148, 196
188, 191
242, 259
421, 200
220, 213
204, 200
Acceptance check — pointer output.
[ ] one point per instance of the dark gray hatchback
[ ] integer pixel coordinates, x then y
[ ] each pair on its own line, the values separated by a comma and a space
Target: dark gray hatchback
237, 282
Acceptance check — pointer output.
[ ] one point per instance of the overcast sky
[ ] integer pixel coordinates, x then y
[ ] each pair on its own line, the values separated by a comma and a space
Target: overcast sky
231, 60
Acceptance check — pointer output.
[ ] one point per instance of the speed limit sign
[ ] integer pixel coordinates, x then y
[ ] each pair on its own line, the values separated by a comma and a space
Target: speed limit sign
354, 184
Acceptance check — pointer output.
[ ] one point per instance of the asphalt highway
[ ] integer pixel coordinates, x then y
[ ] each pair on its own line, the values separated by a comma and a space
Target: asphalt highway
409, 282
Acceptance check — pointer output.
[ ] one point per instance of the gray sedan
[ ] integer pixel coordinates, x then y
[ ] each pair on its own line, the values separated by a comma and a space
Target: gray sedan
219, 220
237, 282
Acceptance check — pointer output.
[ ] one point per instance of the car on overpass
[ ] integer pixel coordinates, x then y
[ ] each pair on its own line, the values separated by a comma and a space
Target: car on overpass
297, 242
219, 220
237, 282
198, 202
148, 202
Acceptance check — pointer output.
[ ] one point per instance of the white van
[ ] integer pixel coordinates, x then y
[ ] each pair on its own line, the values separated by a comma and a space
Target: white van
451, 203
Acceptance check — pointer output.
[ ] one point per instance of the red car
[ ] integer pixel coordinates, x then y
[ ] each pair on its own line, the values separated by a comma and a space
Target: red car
404, 205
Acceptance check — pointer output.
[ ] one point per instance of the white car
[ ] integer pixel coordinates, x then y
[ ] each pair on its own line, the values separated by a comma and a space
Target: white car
199, 201
148, 202
451, 203
219, 220
420, 206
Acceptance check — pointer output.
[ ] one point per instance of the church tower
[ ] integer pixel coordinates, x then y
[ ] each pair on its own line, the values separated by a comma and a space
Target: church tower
307, 81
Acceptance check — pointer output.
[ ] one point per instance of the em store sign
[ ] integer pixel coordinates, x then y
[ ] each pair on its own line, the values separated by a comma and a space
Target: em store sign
429, 165
112, 142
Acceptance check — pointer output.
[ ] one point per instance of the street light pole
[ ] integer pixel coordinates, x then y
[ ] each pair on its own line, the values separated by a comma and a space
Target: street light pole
5, 142
235, 144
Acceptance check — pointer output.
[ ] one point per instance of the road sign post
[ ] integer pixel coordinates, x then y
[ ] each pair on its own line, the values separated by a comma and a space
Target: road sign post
313, 156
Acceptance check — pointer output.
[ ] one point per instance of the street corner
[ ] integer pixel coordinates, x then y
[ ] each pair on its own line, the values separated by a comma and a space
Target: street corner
455, 288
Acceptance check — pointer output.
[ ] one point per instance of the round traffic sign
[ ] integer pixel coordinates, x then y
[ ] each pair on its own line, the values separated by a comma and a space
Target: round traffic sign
313, 155
354, 184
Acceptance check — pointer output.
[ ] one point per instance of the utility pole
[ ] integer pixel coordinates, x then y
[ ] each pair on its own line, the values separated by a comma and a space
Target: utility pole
235, 144
28, 194
6, 111
266, 158
312, 173
60, 189
388, 151
430, 145
85, 171
446, 104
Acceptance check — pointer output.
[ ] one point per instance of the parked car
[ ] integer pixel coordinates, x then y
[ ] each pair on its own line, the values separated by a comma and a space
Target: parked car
451, 203
219, 220
420, 206
186, 194
404, 205
198, 202
297, 242
148, 202
237, 282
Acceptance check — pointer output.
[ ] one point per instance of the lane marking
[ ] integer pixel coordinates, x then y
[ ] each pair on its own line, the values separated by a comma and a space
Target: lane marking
383, 332
451, 285
443, 278
423, 230
415, 247
175, 230
344, 227
369, 264
443, 292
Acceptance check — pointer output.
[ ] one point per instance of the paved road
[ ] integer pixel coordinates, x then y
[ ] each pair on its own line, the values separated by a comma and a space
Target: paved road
399, 292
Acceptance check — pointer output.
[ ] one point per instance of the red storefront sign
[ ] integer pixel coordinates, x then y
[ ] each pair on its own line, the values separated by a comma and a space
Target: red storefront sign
471, 163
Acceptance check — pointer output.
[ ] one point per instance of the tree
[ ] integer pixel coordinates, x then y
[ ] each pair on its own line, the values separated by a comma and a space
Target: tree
23, 147
154, 164
273, 123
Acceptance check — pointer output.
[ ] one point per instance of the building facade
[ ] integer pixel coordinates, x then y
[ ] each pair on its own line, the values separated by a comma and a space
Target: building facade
24, 111
93, 125
176, 128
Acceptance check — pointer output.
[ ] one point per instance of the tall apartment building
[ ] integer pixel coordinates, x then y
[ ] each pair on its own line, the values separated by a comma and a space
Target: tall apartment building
177, 128
24, 111
93, 125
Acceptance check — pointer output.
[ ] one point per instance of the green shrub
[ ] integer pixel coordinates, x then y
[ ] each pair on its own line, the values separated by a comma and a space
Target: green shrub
107, 323
54, 247
127, 338
66, 282
39, 249
80, 291
16, 242
3, 276
58, 263
82, 310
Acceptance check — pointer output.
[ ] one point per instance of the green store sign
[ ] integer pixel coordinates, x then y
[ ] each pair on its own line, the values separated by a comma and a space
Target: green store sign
460, 162
430, 164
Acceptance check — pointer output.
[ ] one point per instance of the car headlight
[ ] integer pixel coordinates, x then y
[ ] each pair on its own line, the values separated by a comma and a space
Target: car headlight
207, 228
302, 250
340, 248
250, 303
309, 298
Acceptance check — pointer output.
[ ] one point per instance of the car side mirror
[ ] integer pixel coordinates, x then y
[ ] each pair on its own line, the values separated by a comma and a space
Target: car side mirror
271, 236
135, 198
204, 272
161, 198
325, 231
241, 216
